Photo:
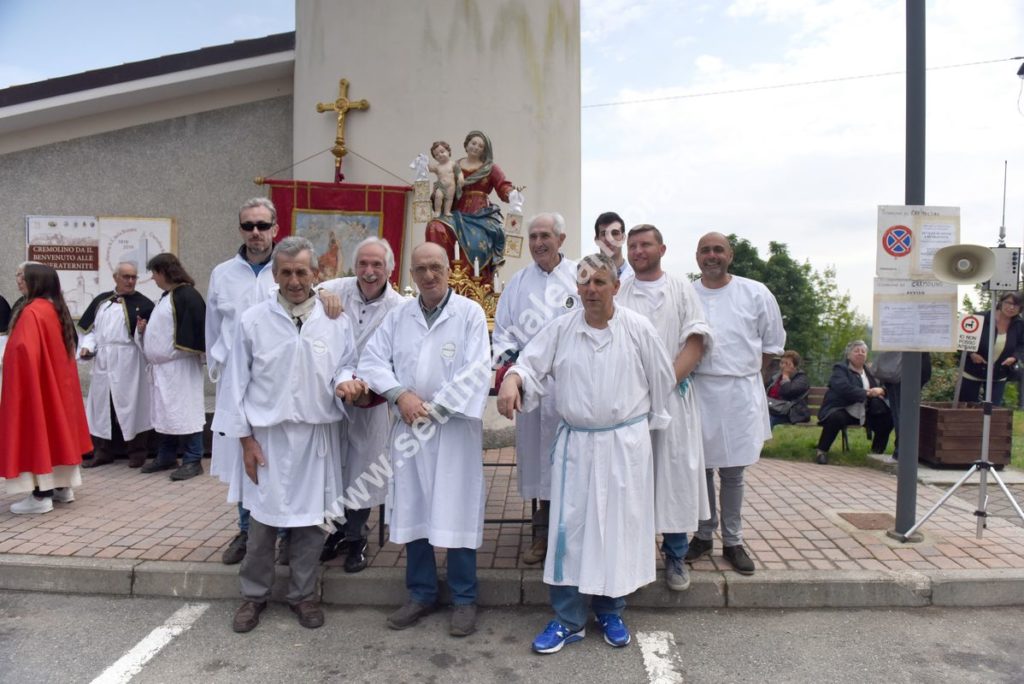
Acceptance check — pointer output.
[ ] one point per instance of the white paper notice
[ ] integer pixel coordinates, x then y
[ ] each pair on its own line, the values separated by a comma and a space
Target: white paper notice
931, 238
911, 326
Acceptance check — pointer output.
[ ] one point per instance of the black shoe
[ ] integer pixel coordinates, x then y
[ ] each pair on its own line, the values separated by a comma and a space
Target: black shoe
698, 548
236, 549
738, 559
155, 466
409, 614
356, 560
821, 457
187, 471
334, 546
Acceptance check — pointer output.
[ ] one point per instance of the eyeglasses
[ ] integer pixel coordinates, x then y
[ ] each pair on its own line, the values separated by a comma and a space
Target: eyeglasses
129, 277
249, 226
614, 232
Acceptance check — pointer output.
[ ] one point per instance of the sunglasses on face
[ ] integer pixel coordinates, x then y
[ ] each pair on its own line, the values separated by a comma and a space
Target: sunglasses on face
249, 226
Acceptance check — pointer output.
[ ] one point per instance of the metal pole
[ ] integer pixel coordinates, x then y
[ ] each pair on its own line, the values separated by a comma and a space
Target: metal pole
910, 376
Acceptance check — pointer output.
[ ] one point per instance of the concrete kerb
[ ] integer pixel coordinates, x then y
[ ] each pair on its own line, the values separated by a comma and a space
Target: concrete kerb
804, 589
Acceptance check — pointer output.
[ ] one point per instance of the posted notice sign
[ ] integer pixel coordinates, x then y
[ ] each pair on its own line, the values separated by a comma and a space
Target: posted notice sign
968, 332
909, 236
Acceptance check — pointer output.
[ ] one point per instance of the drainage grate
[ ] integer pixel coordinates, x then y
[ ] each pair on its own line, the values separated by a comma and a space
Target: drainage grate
870, 521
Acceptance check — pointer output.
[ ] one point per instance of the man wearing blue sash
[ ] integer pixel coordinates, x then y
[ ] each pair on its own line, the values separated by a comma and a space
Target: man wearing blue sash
602, 473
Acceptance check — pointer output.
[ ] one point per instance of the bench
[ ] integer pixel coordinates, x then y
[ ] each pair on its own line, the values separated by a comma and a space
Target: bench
815, 397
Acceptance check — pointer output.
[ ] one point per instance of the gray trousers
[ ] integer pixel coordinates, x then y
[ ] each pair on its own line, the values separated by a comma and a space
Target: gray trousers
256, 575
731, 496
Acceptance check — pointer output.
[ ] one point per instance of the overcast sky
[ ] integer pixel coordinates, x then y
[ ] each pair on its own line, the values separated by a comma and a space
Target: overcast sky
805, 165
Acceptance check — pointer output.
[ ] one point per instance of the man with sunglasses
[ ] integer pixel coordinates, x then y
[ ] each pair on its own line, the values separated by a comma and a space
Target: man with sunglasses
609, 236
235, 285
118, 403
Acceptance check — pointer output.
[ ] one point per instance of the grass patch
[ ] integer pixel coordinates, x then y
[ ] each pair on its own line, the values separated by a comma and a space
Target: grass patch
796, 443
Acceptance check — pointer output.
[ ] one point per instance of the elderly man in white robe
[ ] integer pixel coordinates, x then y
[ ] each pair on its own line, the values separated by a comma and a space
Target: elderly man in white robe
747, 327
614, 378
289, 367
672, 307
534, 296
367, 297
431, 358
118, 403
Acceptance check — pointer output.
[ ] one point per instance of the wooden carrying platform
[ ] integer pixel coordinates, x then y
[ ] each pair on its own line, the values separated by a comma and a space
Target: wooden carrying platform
952, 436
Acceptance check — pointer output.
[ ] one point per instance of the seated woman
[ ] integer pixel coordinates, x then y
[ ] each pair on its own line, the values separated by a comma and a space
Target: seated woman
1008, 346
787, 392
854, 397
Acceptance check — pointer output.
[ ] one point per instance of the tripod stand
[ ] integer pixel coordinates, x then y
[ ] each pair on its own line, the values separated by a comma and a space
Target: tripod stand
983, 465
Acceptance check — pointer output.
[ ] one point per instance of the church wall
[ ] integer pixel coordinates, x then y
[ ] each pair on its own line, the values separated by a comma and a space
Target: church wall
434, 70
196, 169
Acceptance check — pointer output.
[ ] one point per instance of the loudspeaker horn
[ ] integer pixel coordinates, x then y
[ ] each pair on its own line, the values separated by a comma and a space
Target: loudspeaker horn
964, 264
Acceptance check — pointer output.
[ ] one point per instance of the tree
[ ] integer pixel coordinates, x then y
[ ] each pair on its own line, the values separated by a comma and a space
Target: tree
838, 324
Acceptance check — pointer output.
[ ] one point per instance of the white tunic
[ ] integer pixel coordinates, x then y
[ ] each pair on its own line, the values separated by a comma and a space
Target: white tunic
532, 298
680, 487
278, 387
176, 390
746, 323
233, 289
612, 390
118, 374
438, 483
364, 456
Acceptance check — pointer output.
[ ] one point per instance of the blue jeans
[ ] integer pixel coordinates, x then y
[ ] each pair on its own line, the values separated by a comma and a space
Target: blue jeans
571, 606
421, 573
675, 545
243, 518
167, 448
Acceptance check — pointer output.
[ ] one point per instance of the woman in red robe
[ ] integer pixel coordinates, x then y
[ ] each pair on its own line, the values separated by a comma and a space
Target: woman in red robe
476, 223
43, 428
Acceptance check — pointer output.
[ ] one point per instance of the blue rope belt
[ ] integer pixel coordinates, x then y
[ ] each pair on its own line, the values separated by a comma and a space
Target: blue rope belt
564, 427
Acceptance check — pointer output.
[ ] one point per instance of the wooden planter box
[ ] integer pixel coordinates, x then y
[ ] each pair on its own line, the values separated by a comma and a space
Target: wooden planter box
952, 436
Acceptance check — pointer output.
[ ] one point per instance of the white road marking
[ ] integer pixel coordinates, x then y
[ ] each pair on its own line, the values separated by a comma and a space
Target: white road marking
657, 649
132, 662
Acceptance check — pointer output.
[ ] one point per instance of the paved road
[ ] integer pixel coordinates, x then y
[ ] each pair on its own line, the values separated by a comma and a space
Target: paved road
54, 638
998, 505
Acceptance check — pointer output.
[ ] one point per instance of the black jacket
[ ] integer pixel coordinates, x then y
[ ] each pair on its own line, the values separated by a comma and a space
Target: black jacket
845, 388
1014, 347
795, 391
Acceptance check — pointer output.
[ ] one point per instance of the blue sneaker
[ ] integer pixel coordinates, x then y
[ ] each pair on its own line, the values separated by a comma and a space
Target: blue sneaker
555, 636
615, 632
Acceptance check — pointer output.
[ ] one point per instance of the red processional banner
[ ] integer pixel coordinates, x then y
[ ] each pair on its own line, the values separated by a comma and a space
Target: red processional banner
336, 217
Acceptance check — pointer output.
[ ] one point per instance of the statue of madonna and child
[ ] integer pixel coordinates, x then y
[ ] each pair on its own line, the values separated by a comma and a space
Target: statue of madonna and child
466, 224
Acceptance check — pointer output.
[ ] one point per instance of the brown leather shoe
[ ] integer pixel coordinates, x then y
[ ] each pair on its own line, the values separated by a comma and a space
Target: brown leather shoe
247, 616
537, 551
310, 614
100, 457
136, 459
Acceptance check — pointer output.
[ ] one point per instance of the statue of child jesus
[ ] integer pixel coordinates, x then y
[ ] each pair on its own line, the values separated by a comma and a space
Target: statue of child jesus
449, 178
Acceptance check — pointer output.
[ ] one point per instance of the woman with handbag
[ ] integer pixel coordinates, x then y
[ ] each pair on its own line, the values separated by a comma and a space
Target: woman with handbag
787, 392
854, 397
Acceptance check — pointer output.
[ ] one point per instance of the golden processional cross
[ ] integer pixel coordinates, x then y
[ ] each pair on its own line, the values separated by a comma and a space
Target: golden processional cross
342, 106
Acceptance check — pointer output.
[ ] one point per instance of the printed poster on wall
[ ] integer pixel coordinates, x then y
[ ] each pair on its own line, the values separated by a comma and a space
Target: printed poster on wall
85, 250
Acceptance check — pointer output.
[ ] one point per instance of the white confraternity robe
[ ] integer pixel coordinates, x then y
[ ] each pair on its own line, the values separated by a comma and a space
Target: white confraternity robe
118, 374
278, 386
680, 487
364, 458
438, 483
530, 300
612, 390
234, 287
176, 390
746, 323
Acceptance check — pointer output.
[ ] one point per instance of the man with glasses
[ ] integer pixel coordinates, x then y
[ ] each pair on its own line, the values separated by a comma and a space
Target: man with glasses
118, 403
609, 236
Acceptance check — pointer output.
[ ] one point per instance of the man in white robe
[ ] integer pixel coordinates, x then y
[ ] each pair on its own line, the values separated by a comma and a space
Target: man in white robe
747, 327
431, 358
279, 400
118, 403
672, 307
533, 297
367, 298
173, 342
613, 379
